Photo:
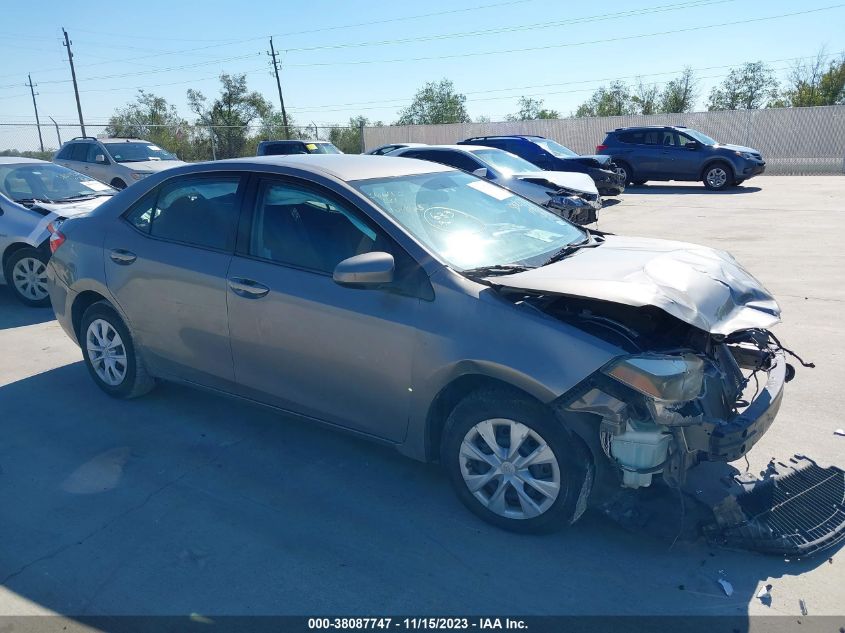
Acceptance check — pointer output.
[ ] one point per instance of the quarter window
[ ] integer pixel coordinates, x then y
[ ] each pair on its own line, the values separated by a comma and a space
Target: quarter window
295, 226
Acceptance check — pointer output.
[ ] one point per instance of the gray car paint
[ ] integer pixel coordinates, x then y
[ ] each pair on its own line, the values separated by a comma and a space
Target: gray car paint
365, 360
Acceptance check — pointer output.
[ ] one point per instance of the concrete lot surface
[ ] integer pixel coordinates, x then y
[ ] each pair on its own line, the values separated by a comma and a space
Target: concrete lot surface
183, 502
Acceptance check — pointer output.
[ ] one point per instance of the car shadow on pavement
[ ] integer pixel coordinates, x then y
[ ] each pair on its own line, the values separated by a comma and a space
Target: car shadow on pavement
184, 503
15, 314
687, 189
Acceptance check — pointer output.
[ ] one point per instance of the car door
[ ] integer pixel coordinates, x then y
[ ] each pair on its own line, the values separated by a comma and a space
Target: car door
649, 158
74, 156
98, 169
166, 261
688, 158
304, 343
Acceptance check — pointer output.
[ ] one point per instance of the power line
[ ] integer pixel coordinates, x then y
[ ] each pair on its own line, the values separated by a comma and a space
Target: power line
566, 44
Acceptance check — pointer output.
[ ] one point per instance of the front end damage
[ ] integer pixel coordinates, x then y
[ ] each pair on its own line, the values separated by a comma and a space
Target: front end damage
684, 400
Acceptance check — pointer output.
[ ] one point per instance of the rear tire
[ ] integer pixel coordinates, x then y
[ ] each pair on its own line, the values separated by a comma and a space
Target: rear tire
540, 486
718, 176
118, 184
109, 353
26, 274
624, 170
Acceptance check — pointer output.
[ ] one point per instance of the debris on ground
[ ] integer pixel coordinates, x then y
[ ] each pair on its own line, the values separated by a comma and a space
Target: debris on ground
726, 586
803, 606
839, 432
765, 595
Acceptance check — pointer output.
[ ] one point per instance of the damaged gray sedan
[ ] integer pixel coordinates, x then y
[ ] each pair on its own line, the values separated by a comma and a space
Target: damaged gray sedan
547, 367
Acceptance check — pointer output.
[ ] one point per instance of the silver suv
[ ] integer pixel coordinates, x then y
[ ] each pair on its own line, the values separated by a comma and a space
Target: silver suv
118, 162
544, 365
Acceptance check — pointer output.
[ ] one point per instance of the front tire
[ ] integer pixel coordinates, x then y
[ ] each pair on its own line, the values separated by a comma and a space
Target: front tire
26, 274
512, 463
109, 353
718, 176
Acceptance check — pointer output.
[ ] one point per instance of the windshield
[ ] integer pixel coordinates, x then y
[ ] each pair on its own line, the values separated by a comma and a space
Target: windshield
700, 137
137, 152
48, 182
322, 148
556, 149
505, 162
469, 222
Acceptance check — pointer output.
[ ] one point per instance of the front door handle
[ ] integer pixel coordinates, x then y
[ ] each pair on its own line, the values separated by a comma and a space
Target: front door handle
122, 257
247, 288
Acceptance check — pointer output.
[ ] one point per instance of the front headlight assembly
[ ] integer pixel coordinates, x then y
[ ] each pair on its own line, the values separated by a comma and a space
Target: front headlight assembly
660, 377
567, 202
745, 155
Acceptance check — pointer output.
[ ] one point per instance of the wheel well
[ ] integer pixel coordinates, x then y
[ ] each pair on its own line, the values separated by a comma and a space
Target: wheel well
80, 305
448, 399
709, 164
12, 249
116, 179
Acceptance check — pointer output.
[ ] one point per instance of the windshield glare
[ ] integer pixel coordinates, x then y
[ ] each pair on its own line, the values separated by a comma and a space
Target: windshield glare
469, 222
556, 149
48, 182
136, 152
700, 137
505, 162
322, 148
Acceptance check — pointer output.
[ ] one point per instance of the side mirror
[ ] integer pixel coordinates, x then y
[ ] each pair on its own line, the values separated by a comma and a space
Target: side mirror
100, 158
481, 172
368, 270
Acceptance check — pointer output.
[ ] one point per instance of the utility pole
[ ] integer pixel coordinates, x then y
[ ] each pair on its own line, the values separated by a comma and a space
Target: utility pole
276, 65
35, 105
75, 87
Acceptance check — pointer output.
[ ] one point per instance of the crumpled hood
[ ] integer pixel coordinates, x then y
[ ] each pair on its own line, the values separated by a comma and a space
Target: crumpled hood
704, 287
73, 209
569, 179
595, 160
153, 165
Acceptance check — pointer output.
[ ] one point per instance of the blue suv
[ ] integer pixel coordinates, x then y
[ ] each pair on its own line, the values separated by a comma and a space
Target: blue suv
552, 156
668, 152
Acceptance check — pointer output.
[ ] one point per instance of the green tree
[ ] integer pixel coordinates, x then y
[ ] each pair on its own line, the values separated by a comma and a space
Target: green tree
679, 94
152, 118
613, 100
817, 82
482, 118
751, 86
348, 139
645, 97
229, 116
531, 110
436, 102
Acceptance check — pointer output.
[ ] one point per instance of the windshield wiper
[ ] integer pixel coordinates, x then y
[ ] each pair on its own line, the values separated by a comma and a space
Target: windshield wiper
496, 269
80, 196
34, 200
567, 250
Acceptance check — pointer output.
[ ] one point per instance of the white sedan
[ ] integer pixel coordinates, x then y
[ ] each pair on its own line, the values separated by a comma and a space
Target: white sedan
34, 193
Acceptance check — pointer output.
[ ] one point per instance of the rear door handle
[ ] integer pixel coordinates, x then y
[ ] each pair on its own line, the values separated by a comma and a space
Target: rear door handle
247, 288
122, 257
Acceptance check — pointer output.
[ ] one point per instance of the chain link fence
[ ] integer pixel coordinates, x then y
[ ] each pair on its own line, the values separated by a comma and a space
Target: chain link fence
188, 142
794, 141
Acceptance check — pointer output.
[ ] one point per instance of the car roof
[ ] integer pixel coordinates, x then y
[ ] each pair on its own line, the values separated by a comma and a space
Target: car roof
293, 140
458, 148
17, 160
345, 167
650, 127
514, 136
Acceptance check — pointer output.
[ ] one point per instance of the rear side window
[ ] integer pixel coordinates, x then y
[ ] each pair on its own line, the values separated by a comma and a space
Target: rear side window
198, 211
452, 159
637, 138
281, 149
78, 151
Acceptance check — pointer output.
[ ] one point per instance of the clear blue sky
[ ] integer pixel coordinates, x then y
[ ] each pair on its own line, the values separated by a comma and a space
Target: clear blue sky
120, 48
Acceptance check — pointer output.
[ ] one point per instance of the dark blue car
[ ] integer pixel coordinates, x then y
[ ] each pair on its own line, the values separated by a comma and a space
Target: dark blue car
679, 153
552, 156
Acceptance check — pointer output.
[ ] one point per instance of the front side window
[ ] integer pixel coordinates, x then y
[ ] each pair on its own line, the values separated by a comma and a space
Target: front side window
470, 222
667, 137
123, 152
297, 226
198, 211
452, 159
321, 148
79, 152
701, 137
49, 183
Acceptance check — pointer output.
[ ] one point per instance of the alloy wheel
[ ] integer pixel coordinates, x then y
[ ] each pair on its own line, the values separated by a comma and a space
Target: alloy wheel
106, 352
29, 276
717, 177
510, 468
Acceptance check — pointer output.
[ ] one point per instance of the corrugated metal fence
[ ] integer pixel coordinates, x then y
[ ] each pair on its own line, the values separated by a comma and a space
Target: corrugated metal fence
792, 140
